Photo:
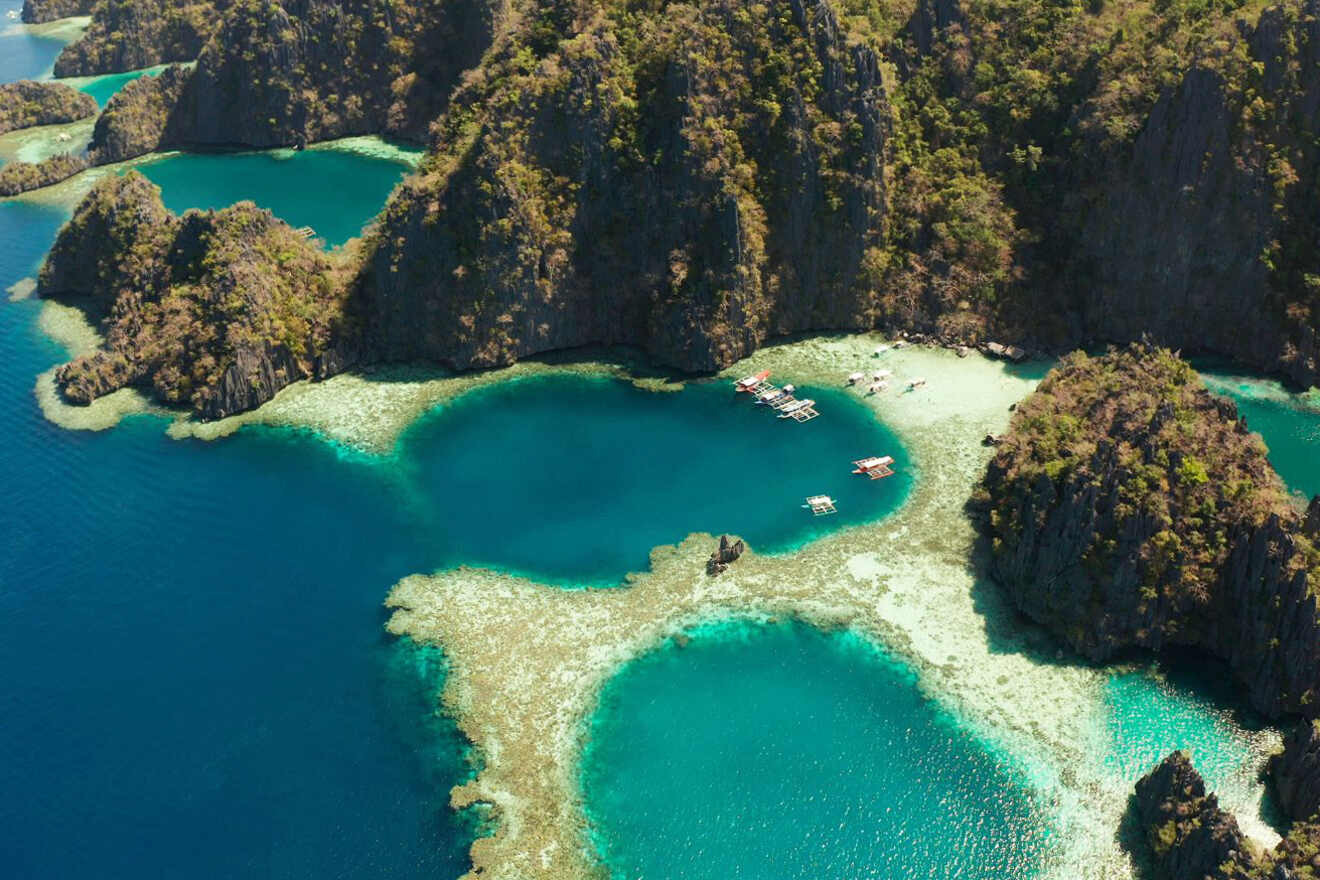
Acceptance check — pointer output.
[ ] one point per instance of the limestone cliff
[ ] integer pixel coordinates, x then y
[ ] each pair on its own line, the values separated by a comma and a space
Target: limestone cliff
302, 71
1127, 507
42, 11
1205, 239
687, 181
1192, 838
132, 34
1296, 771
214, 311
1189, 834
25, 103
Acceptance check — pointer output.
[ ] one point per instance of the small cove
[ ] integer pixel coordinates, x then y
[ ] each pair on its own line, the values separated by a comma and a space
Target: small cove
105, 87
335, 191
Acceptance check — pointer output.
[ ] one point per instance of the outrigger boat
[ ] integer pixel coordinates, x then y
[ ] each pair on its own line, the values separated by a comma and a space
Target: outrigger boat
796, 406
820, 505
876, 467
770, 398
751, 383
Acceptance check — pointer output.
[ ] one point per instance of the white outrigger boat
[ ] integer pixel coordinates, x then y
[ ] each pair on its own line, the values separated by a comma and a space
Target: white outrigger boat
752, 384
876, 467
799, 410
820, 505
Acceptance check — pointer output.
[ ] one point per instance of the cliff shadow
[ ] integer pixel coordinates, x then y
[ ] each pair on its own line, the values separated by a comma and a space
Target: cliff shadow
1131, 839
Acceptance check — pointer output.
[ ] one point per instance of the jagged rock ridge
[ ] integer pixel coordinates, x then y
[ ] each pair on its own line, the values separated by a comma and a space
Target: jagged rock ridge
215, 311
1127, 507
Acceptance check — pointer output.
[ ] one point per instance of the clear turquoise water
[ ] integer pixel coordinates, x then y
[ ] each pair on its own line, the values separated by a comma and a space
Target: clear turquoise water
775, 752
576, 480
334, 192
1147, 717
23, 56
1290, 425
103, 88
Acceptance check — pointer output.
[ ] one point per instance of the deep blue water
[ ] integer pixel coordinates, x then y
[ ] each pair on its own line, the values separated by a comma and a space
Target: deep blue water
778, 752
23, 56
197, 676
197, 683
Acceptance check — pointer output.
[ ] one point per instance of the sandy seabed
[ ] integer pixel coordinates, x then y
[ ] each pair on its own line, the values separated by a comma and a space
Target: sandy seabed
528, 661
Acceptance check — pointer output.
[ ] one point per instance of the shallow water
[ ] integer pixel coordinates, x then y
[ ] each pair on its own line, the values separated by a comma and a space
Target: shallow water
196, 676
778, 751
336, 192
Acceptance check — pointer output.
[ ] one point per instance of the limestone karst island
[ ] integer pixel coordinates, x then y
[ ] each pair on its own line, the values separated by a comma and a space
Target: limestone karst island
660, 439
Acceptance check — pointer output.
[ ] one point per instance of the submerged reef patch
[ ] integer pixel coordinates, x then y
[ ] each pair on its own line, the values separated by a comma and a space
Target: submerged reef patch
528, 661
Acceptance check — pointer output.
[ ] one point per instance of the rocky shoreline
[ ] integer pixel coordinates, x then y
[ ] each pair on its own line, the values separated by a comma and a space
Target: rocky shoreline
1127, 507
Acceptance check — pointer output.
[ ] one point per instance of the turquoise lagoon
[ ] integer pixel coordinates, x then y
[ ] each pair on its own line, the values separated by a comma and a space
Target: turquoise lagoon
103, 88
198, 683
777, 752
1289, 423
334, 191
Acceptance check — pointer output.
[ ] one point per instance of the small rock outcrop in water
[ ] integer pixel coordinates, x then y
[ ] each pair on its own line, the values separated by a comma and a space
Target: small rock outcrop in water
724, 555
1189, 834
24, 104
1127, 507
215, 311
1192, 838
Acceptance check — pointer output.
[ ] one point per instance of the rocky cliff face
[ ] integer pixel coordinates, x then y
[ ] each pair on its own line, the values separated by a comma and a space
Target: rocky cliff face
1196, 241
1296, 771
658, 188
132, 34
1192, 838
24, 104
1190, 835
42, 11
214, 311
1129, 508
307, 70
143, 117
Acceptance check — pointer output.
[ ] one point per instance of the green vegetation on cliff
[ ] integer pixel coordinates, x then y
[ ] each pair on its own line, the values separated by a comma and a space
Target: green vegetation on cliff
42, 11
133, 34
21, 177
24, 104
215, 311
695, 179
1129, 507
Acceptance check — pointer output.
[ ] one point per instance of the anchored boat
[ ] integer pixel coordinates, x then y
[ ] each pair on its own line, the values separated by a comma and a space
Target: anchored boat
877, 467
820, 505
799, 410
752, 383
